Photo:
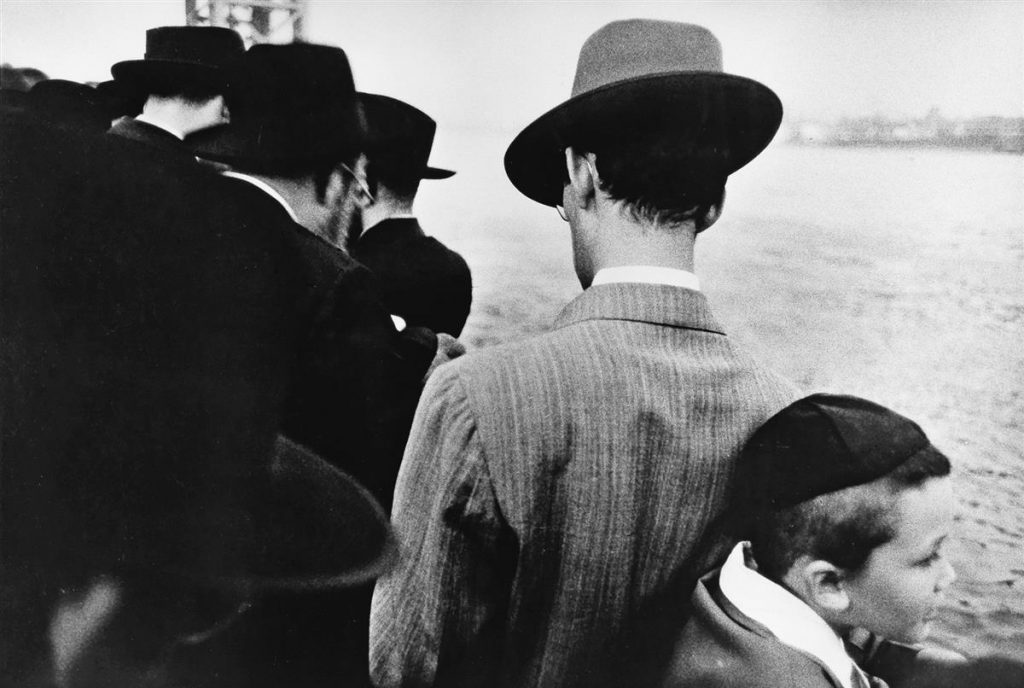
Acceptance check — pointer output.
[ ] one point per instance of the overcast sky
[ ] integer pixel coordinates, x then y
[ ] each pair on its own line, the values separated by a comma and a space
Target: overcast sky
497, 65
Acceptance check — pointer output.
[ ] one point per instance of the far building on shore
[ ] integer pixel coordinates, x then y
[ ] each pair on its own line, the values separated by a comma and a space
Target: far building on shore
990, 133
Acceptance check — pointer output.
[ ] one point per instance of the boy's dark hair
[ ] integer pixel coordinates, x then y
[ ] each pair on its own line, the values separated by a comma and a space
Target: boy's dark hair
658, 170
841, 527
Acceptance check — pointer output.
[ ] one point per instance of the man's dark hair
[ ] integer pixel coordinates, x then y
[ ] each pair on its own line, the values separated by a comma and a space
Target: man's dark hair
401, 184
841, 527
192, 92
662, 176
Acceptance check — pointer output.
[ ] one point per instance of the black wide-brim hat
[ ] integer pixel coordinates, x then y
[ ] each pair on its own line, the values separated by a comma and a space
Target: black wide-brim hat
400, 137
311, 526
642, 74
293, 104
182, 57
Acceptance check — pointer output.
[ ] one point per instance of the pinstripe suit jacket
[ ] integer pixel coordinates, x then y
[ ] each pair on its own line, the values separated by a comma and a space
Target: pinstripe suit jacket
553, 492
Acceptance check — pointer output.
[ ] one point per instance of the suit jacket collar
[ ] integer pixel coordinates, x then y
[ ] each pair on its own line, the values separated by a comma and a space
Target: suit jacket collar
659, 304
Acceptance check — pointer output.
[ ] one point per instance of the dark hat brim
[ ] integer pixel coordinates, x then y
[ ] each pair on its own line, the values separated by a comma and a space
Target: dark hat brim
142, 74
248, 145
734, 118
317, 528
436, 173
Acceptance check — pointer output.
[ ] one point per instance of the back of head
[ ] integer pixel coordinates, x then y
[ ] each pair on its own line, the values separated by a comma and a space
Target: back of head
656, 173
820, 478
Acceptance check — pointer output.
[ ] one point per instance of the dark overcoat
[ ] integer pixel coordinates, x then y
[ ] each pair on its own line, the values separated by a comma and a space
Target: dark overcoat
421, 279
353, 387
159, 142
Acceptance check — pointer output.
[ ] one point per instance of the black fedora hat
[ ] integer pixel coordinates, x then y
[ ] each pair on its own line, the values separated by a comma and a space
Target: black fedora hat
290, 104
644, 73
144, 371
399, 137
182, 56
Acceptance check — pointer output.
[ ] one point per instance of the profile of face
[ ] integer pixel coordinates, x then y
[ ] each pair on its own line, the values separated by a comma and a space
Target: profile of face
354, 230
346, 194
112, 634
897, 592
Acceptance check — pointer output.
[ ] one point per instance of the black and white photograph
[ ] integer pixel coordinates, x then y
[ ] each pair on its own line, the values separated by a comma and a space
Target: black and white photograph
525, 344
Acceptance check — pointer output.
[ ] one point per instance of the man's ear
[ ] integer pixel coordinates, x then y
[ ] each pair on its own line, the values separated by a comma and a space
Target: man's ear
711, 217
820, 584
582, 176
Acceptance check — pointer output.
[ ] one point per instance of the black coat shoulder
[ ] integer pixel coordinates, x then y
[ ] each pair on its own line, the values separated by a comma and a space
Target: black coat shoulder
422, 280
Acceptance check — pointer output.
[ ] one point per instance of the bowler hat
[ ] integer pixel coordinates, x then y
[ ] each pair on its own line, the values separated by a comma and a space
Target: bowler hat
182, 57
820, 444
653, 75
145, 362
292, 104
399, 137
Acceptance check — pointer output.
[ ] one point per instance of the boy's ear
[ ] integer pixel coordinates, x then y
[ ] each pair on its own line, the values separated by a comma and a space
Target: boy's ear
819, 583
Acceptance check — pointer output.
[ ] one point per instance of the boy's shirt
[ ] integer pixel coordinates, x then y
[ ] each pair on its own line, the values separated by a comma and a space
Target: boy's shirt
744, 630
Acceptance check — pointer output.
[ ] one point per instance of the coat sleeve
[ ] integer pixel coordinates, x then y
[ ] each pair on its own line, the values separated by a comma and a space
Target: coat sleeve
438, 618
356, 379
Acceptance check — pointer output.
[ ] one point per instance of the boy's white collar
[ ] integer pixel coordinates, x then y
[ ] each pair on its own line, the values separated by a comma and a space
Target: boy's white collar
784, 614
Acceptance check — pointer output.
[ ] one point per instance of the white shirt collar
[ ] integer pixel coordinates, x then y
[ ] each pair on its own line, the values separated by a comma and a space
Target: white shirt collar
141, 117
647, 274
785, 615
266, 188
396, 216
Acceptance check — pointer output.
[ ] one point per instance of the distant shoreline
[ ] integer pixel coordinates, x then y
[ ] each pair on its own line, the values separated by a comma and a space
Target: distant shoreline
907, 145
991, 133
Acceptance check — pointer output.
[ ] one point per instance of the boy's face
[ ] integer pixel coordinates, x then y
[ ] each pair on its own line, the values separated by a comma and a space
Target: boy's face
897, 592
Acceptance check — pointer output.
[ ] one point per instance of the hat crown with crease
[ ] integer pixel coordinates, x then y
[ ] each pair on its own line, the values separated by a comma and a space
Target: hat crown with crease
290, 104
179, 55
638, 48
210, 46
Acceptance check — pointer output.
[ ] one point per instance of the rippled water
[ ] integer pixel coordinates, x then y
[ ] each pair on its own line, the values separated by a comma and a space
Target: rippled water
896, 275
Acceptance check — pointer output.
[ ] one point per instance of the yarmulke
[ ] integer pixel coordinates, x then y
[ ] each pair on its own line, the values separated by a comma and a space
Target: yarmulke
821, 444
